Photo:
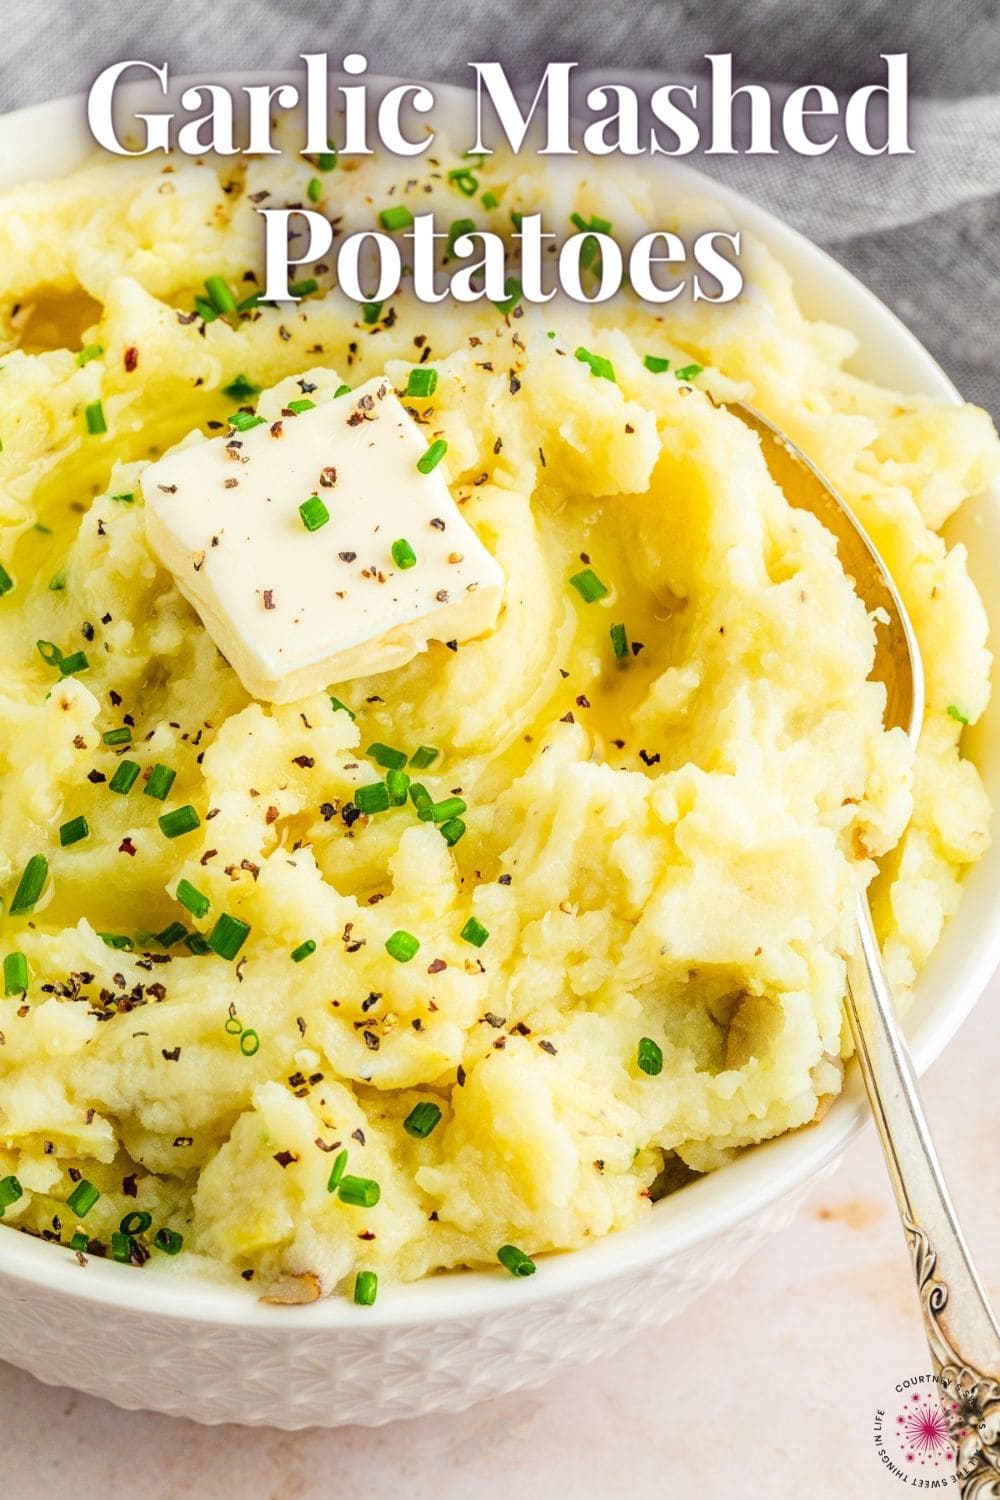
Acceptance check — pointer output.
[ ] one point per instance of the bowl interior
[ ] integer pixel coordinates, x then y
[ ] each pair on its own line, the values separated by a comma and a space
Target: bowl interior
48, 140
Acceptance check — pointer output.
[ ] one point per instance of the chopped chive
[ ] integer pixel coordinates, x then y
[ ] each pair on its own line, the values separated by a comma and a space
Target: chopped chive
228, 936
15, 974
373, 798
515, 1261
73, 831
655, 363
89, 352
218, 290
371, 311
93, 415
956, 713
82, 1199
397, 784
169, 1241
420, 796
474, 932
452, 831
467, 182
249, 1042
301, 405
241, 388
403, 554
402, 946
205, 310
385, 755
304, 288
516, 218
337, 1171
396, 217
304, 950
117, 737
234, 1026
182, 820
326, 161
459, 227
121, 1248
339, 707
594, 225
30, 886
440, 812
589, 586
172, 935
314, 513
649, 1056
688, 372
49, 652
76, 662
314, 191
361, 1191
161, 779
513, 293
248, 303
430, 460
80, 1242
10, 1191
365, 1288
489, 200
244, 420
6, 582
424, 756
422, 1119
342, 390
117, 941
422, 381
125, 776
598, 364
619, 640
137, 1222
192, 900
127, 497
195, 943
57, 582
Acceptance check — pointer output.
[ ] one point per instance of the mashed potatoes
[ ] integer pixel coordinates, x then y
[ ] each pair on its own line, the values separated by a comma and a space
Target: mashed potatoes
667, 821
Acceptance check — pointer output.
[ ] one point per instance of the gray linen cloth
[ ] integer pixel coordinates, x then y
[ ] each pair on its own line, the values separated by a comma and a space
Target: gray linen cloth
921, 231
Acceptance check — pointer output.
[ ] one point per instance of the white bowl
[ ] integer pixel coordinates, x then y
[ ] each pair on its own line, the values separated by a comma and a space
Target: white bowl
173, 1344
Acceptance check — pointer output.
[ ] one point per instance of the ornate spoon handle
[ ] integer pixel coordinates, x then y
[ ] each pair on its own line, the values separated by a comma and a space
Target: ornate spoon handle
961, 1330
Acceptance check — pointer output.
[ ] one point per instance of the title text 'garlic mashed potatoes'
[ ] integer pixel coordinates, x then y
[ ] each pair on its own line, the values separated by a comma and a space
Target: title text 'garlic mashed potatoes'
673, 791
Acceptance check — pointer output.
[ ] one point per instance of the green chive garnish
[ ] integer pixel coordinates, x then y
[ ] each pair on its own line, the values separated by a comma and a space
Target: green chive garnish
430, 460
15, 974
182, 820
161, 779
249, 1042
598, 364
594, 225
171, 935
192, 900
655, 364
314, 191
76, 662
422, 381
649, 1056
241, 389
385, 755
458, 227
304, 950
301, 405
422, 1119
73, 831
125, 776
513, 293
452, 831
402, 946
420, 796
440, 812
169, 1241
30, 886
619, 640
515, 1261
228, 936
371, 311
117, 941
489, 200
91, 351
373, 798
244, 420
397, 785
57, 582
10, 1191
467, 182
365, 1288
326, 161
195, 943
337, 1171
137, 1222
337, 706
82, 1199
403, 554
205, 310
49, 652
304, 288
117, 737
6, 582
80, 1242
342, 390
424, 756
474, 932
127, 497
361, 1191
589, 586
121, 1248
397, 217
218, 290
688, 372
93, 415
956, 713
314, 513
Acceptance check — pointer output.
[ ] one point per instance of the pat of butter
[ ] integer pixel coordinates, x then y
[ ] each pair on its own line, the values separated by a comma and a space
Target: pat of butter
294, 610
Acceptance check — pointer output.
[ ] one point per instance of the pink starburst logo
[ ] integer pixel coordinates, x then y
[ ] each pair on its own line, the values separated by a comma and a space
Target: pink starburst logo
923, 1432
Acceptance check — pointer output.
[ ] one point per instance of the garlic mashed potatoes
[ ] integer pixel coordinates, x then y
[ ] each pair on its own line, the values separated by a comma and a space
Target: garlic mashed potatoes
613, 954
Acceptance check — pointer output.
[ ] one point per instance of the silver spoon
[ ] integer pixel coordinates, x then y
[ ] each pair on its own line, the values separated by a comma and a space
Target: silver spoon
961, 1329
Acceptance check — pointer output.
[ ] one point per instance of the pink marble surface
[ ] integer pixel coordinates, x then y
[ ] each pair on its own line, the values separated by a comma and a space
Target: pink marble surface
766, 1388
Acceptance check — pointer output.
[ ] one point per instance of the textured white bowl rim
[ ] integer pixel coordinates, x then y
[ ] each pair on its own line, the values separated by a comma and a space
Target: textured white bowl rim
44, 141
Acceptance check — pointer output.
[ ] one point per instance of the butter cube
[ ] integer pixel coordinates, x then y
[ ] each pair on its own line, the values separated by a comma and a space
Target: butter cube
294, 609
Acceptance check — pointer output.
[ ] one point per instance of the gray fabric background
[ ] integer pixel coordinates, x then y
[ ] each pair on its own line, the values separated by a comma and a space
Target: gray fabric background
922, 231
